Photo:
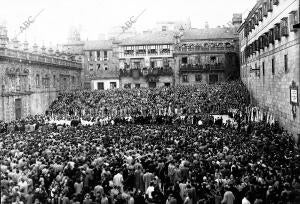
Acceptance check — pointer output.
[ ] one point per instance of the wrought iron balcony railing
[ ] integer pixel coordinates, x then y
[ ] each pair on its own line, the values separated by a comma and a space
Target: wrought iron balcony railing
201, 68
136, 72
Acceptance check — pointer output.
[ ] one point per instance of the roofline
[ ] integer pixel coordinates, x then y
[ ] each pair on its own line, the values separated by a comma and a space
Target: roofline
255, 7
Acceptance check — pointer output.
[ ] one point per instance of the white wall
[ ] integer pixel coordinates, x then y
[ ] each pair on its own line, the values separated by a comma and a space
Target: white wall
106, 83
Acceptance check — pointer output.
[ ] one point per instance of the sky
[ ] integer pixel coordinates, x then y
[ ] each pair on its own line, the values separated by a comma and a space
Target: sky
93, 17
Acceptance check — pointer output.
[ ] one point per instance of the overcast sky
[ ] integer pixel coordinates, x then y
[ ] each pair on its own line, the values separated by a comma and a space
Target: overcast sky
99, 16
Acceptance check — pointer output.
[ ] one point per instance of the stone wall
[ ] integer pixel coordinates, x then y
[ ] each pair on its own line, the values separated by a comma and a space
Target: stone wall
19, 80
271, 89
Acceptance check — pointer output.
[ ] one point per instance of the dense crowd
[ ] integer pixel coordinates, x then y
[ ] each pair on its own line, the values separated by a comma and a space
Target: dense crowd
203, 98
160, 156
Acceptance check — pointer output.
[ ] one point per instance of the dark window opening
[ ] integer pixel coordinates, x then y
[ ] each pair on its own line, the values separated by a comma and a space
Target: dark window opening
213, 78
198, 77
185, 78
286, 68
100, 86
152, 84
273, 66
184, 60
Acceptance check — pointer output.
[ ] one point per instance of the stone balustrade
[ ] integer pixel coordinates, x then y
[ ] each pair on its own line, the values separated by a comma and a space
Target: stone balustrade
38, 58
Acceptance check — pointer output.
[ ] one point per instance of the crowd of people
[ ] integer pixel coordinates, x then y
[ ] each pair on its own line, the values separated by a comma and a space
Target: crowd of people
176, 100
161, 155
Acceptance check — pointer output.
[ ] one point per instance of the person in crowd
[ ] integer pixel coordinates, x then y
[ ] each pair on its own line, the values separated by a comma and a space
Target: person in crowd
158, 156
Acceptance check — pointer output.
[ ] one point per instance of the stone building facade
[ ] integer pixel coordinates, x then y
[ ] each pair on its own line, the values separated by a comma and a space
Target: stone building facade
146, 60
207, 55
30, 81
101, 65
270, 58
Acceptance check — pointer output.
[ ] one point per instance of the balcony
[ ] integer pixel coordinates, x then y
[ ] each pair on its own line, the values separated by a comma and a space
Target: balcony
37, 58
188, 68
204, 49
146, 72
143, 53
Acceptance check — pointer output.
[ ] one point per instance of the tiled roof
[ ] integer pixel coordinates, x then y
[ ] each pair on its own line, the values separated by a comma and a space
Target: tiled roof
209, 33
162, 37
98, 45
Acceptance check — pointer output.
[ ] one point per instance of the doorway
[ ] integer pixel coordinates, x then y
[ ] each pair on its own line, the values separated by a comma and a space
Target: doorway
18, 108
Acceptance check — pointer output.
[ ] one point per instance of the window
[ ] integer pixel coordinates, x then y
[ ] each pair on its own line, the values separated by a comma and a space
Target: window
184, 78
293, 20
263, 69
198, 77
54, 81
277, 35
136, 65
260, 14
286, 68
100, 86
98, 66
256, 19
273, 65
137, 86
266, 40
284, 27
184, 60
152, 84
46, 81
265, 9
113, 85
152, 63
98, 55
271, 36
87, 85
164, 28
270, 5
213, 78
167, 84
105, 55
127, 86
73, 80
105, 67
91, 67
37, 80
